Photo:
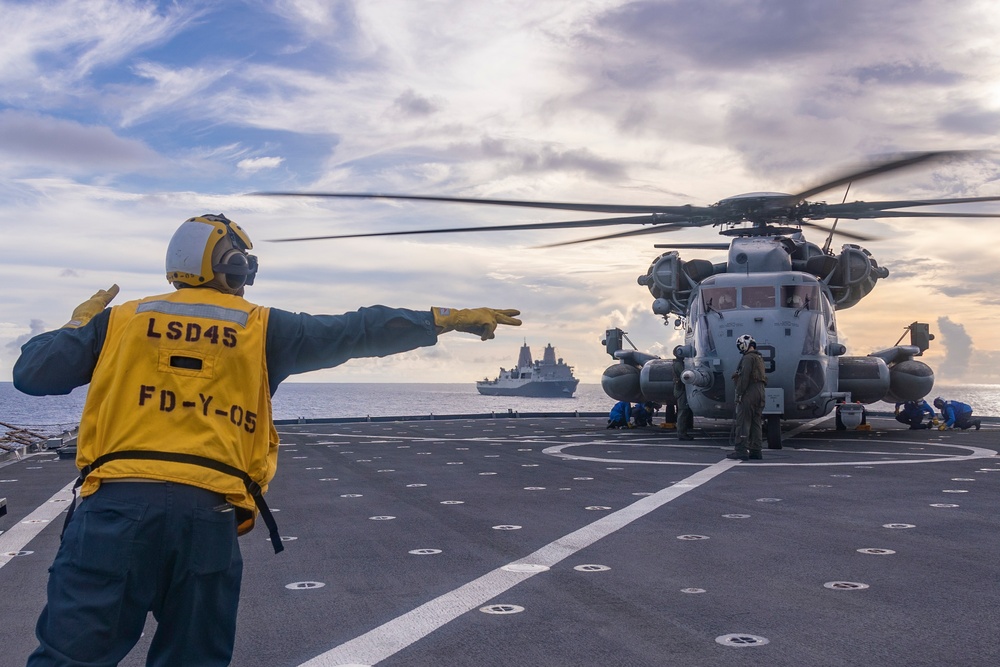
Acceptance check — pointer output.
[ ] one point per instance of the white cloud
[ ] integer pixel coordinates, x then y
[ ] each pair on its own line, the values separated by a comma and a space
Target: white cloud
256, 164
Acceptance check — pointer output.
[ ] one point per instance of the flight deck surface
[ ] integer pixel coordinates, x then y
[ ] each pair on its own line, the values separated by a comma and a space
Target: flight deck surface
554, 541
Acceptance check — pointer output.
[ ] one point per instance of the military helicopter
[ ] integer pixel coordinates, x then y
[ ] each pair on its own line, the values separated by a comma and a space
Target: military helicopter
775, 285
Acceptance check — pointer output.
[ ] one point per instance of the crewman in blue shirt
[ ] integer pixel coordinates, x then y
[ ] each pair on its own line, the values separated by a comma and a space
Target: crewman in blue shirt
620, 415
177, 444
912, 414
955, 414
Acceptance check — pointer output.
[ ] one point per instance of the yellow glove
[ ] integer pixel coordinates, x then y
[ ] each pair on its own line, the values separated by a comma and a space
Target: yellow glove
480, 321
91, 307
942, 427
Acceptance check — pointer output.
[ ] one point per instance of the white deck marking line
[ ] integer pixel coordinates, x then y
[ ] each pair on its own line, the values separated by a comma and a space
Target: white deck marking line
16, 538
387, 639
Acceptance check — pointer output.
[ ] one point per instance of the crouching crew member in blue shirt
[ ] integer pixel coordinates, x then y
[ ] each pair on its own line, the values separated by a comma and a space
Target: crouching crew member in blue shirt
912, 414
177, 445
955, 414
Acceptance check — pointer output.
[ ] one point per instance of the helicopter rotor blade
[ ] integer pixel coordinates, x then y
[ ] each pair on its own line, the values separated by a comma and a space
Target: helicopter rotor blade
836, 210
873, 215
656, 229
640, 220
694, 246
901, 162
844, 233
685, 210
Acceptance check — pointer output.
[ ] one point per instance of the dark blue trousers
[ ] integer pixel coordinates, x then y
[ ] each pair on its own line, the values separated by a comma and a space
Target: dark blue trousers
133, 548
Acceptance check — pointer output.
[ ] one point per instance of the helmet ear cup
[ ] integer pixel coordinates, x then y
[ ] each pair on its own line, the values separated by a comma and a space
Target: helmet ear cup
235, 267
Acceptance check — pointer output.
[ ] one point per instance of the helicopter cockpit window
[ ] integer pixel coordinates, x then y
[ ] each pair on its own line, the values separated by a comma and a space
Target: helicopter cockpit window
758, 297
800, 296
718, 298
809, 379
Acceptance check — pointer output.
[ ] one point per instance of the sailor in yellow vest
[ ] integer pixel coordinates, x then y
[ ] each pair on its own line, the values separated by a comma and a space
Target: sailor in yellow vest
177, 446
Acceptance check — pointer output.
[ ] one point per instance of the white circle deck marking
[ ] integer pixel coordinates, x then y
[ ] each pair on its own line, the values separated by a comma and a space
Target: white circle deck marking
876, 552
381, 518
525, 567
944, 505
898, 525
769, 500
693, 591
736, 516
351, 495
425, 552
692, 537
973, 454
452, 502
591, 567
502, 609
597, 508
507, 527
304, 585
845, 586
954, 491
741, 640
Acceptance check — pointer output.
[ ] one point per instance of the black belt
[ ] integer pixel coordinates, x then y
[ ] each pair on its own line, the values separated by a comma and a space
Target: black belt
252, 487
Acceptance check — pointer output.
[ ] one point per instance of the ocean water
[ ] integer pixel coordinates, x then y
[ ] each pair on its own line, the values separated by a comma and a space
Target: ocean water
52, 414
294, 400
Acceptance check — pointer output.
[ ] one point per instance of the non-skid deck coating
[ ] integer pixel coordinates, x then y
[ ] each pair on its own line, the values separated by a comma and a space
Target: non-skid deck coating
553, 541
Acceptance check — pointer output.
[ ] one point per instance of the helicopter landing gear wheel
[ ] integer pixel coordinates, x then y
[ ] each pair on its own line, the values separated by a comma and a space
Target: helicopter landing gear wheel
773, 431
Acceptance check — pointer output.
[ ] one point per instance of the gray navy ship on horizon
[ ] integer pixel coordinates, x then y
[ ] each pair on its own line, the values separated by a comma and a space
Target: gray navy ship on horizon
548, 378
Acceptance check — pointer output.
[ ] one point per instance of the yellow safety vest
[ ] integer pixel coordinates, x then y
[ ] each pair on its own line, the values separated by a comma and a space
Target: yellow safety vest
180, 394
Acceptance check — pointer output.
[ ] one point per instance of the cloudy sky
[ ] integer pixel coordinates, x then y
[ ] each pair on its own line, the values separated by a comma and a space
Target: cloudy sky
120, 119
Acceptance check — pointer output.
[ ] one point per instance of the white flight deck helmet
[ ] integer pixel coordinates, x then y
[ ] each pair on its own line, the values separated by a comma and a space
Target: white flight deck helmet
210, 251
744, 342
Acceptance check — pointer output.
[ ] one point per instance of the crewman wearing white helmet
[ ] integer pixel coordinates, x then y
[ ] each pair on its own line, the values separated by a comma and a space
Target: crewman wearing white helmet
177, 445
750, 379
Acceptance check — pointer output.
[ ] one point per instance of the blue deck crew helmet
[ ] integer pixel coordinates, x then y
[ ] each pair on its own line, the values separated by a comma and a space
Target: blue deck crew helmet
210, 251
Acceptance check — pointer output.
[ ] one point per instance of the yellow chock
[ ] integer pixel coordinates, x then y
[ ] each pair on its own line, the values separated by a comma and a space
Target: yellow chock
668, 425
864, 427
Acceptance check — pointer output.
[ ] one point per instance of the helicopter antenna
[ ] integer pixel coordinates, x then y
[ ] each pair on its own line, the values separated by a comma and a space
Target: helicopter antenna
829, 239
625, 336
905, 329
